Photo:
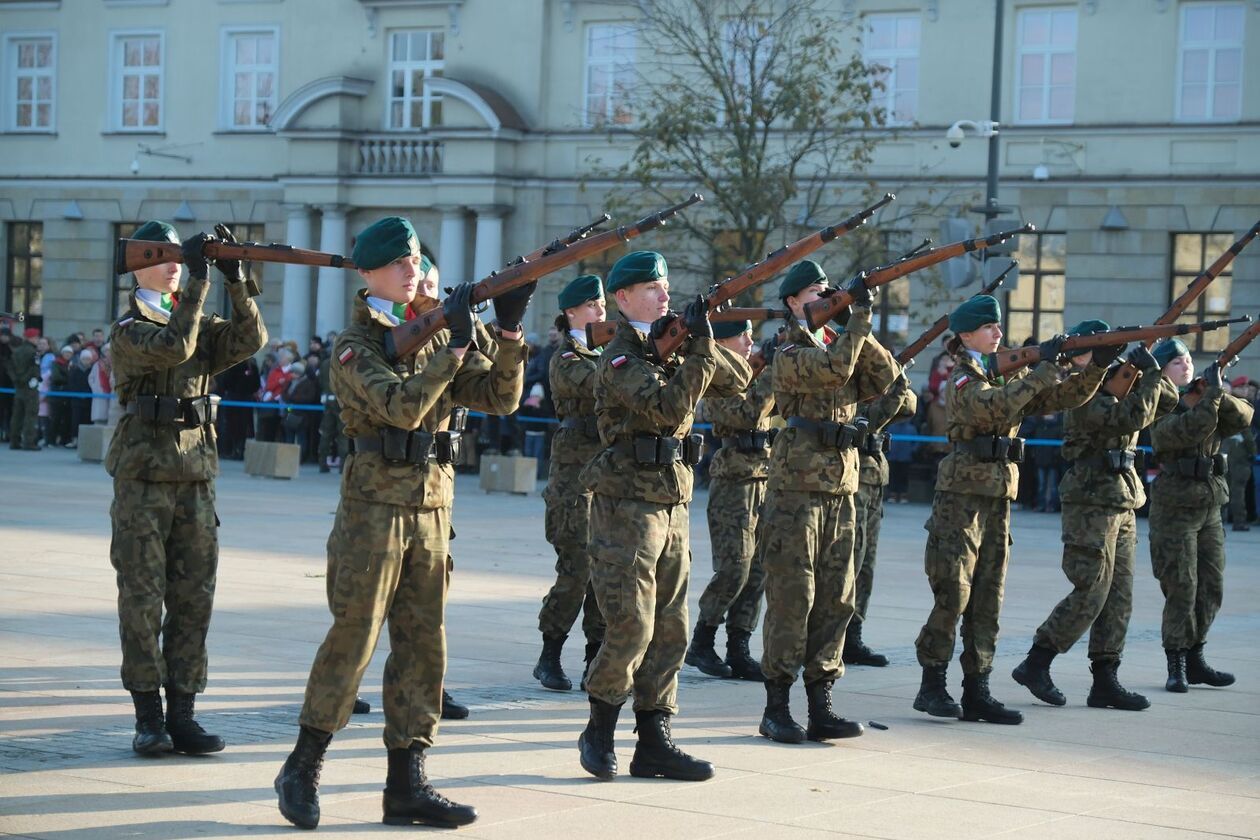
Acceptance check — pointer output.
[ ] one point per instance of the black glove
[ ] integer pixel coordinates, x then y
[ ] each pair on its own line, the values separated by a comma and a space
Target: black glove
1105, 355
769, 347
663, 323
1142, 359
862, 294
1212, 376
510, 307
457, 309
194, 258
231, 269
1052, 349
696, 317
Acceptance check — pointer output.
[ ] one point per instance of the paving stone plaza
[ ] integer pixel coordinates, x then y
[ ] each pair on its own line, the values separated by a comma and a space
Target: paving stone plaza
1188, 767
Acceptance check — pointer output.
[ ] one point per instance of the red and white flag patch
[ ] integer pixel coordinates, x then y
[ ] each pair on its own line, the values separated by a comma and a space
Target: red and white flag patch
568, 354
961, 381
126, 321
618, 361
345, 355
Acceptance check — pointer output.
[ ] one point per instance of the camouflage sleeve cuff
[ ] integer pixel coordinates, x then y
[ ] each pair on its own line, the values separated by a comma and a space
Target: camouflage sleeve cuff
701, 346
1047, 373
442, 366
859, 321
512, 351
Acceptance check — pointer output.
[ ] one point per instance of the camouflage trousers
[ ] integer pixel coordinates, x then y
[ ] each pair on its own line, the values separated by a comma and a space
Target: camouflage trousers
870, 515
385, 563
734, 592
567, 524
1188, 558
1099, 557
24, 421
968, 547
642, 565
165, 552
332, 438
807, 550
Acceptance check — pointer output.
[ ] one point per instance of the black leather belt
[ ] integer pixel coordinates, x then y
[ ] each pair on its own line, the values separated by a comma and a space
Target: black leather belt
400, 446
661, 450
754, 441
1114, 460
1200, 468
587, 424
992, 448
175, 411
830, 433
875, 443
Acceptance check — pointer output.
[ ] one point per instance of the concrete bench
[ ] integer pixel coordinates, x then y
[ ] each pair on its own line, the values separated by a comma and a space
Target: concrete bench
271, 459
508, 473
94, 442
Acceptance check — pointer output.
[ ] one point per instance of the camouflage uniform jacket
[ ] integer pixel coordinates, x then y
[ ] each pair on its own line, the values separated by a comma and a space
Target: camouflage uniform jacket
634, 394
824, 383
416, 392
1192, 432
1108, 423
24, 365
573, 371
897, 402
174, 354
977, 405
731, 415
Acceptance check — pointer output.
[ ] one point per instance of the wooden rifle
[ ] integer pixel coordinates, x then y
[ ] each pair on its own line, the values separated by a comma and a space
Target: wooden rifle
599, 333
906, 357
1227, 357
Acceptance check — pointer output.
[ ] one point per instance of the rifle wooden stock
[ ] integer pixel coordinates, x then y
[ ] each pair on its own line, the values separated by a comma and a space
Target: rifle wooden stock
757, 361
1011, 360
600, 333
1121, 382
407, 337
1227, 357
675, 332
135, 254
935, 331
821, 311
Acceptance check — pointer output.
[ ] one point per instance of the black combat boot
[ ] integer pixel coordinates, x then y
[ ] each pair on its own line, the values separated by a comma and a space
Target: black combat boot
595, 744
151, 736
549, 671
701, 653
186, 734
410, 799
1107, 693
298, 782
361, 706
978, 703
738, 659
776, 720
1198, 672
825, 724
933, 697
855, 650
452, 710
656, 754
1176, 672
1034, 674
592, 650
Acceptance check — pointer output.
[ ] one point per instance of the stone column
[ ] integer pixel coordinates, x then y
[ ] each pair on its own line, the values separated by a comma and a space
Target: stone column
330, 299
488, 256
450, 253
295, 318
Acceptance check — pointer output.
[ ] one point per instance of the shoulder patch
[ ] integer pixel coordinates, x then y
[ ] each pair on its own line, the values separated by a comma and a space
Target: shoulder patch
568, 354
126, 321
618, 361
787, 348
345, 355
960, 381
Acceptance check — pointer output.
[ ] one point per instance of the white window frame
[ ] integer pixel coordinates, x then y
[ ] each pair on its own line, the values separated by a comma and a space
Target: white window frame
227, 81
889, 58
1211, 47
429, 66
115, 97
9, 100
615, 65
1047, 52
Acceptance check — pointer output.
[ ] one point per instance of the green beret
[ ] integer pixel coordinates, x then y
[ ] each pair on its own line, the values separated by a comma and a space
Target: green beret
730, 329
974, 313
636, 267
1091, 326
1169, 349
155, 231
384, 241
804, 273
426, 265
580, 290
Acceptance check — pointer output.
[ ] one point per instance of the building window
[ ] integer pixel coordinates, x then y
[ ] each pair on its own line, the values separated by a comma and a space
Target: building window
1209, 69
24, 285
1191, 254
1034, 309
251, 64
415, 55
30, 83
1045, 66
137, 81
891, 49
609, 74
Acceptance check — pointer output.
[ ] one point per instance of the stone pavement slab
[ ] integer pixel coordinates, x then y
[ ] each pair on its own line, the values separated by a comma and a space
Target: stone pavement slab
1188, 767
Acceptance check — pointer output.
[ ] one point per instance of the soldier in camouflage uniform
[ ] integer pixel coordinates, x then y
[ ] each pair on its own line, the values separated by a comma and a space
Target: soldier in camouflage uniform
737, 491
896, 403
968, 542
163, 457
573, 372
1100, 492
334, 446
1187, 538
24, 370
642, 484
388, 555
810, 520
1240, 452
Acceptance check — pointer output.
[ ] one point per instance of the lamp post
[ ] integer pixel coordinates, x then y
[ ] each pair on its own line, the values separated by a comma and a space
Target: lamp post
991, 209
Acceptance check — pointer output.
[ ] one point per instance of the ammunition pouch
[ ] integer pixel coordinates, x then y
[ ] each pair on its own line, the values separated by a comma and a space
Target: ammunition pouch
418, 447
752, 442
830, 433
1115, 460
875, 443
188, 412
662, 450
1199, 468
993, 448
587, 425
